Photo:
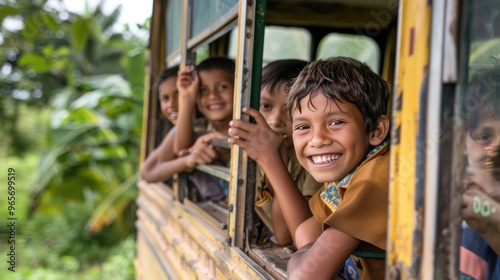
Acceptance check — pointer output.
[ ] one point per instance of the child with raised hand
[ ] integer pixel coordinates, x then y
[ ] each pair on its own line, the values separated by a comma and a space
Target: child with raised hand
277, 77
163, 163
208, 87
338, 108
481, 197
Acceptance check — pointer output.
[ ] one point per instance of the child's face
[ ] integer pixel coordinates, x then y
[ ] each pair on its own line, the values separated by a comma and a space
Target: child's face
486, 134
330, 139
272, 107
168, 99
215, 100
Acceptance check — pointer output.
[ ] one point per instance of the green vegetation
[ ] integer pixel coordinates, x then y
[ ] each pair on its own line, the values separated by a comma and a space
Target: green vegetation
70, 120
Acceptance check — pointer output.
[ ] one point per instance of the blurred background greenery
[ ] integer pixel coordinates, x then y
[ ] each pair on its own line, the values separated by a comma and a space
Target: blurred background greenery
71, 90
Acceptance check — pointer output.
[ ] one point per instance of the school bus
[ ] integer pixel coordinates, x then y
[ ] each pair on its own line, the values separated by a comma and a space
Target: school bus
426, 50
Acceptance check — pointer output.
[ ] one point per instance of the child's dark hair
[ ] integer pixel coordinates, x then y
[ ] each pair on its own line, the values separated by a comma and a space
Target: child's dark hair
342, 79
281, 71
167, 73
221, 63
483, 98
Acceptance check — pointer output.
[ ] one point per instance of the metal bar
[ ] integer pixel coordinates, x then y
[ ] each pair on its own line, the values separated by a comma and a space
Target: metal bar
220, 142
242, 87
428, 269
215, 170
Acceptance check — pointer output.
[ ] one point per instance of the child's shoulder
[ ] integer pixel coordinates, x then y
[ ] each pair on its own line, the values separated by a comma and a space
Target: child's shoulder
375, 166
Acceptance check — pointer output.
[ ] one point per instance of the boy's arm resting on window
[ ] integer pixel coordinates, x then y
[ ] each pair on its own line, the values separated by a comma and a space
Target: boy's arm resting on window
163, 153
324, 258
280, 230
308, 232
293, 205
164, 169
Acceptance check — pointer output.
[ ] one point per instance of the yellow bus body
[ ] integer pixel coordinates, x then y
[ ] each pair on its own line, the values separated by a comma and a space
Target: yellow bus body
179, 239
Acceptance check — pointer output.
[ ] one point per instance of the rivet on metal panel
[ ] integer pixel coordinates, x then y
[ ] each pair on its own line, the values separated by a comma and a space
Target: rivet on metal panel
394, 274
230, 208
223, 225
229, 239
250, 2
241, 182
249, 22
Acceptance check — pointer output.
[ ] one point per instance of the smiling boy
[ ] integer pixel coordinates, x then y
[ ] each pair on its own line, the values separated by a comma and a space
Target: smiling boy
208, 87
338, 108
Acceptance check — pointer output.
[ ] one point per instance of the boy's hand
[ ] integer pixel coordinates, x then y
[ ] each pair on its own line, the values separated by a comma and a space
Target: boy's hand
481, 211
479, 208
188, 83
258, 140
478, 175
204, 140
200, 155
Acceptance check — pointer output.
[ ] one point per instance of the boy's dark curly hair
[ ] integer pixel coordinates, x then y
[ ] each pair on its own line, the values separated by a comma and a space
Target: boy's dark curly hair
281, 71
167, 73
221, 63
483, 98
342, 79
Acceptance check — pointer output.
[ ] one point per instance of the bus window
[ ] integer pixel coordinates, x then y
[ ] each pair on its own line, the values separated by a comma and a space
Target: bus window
281, 43
480, 115
173, 18
202, 53
208, 12
359, 47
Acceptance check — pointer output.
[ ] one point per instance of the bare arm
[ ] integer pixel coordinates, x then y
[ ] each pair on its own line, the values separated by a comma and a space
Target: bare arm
280, 230
151, 171
157, 169
324, 258
262, 144
188, 91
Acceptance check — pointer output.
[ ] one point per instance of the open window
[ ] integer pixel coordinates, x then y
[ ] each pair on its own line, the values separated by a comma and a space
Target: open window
360, 47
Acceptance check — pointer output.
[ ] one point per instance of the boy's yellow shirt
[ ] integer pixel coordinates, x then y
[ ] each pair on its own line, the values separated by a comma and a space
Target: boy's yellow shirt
358, 204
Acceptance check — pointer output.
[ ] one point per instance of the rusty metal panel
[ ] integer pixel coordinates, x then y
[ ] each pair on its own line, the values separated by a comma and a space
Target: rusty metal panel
406, 205
178, 239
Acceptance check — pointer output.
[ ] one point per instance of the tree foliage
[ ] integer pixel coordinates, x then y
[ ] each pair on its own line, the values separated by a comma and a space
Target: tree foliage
93, 77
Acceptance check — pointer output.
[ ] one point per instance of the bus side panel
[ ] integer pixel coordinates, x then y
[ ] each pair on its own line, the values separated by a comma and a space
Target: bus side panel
406, 205
173, 238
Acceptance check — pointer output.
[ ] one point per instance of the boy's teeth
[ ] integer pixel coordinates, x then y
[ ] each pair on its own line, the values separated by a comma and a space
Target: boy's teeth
324, 159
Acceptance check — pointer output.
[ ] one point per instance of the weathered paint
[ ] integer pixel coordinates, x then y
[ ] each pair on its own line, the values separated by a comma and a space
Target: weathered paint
177, 243
405, 208
246, 88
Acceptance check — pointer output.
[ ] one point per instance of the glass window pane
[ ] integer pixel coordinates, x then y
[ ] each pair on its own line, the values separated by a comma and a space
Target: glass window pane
207, 12
285, 43
479, 110
173, 23
360, 47
280, 43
